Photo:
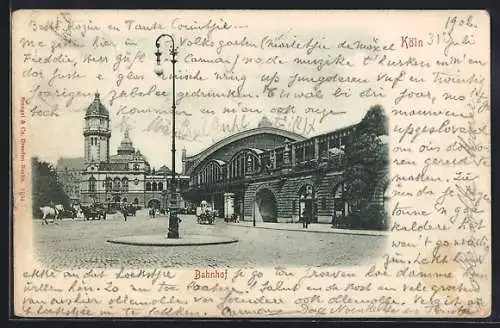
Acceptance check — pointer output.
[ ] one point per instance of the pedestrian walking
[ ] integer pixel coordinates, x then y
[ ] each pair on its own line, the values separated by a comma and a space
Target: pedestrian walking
306, 216
124, 212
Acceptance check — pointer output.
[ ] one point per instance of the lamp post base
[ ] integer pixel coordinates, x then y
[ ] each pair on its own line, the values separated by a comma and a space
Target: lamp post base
173, 225
173, 235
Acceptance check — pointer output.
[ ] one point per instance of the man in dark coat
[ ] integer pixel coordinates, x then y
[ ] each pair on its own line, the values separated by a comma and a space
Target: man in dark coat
124, 211
306, 215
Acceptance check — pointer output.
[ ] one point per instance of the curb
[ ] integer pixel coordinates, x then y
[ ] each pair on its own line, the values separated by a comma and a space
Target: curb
337, 231
161, 241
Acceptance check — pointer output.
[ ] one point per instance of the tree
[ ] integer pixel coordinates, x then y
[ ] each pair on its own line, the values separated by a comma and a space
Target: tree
365, 152
375, 121
366, 155
45, 186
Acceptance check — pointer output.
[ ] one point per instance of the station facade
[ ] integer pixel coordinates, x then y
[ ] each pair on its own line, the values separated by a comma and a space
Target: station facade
269, 174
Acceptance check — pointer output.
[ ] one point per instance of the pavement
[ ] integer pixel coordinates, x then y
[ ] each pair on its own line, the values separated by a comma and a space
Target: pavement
81, 244
313, 227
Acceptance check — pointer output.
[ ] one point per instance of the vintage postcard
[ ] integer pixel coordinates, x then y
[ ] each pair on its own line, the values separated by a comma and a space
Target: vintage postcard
251, 163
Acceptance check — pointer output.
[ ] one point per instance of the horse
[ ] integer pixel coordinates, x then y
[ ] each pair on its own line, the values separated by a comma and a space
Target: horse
79, 214
60, 210
48, 211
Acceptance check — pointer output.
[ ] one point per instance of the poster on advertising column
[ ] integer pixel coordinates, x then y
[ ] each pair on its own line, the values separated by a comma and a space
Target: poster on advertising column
251, 164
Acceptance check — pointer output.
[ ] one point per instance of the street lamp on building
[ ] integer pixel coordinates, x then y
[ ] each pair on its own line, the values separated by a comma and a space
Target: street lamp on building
173, 224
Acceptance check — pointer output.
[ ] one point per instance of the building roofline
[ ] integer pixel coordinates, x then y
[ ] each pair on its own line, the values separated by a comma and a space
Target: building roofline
199, 157
247, 133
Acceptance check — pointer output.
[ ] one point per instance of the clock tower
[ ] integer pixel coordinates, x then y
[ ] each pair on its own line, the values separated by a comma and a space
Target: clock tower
96, 132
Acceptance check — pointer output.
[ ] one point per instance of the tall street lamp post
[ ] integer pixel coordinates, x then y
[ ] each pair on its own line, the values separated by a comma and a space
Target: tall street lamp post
173, 224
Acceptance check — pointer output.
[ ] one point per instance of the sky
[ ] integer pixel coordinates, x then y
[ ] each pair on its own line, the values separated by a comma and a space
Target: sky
241, 46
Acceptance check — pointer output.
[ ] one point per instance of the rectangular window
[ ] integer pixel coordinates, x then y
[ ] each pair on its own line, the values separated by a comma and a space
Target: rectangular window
323, 203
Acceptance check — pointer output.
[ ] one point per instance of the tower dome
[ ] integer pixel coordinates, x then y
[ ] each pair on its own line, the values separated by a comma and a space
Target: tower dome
265, 123
96, 107
126, 145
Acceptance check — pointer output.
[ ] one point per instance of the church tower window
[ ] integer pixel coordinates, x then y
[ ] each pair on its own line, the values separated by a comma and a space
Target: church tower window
92, 184
125, 184
116, 184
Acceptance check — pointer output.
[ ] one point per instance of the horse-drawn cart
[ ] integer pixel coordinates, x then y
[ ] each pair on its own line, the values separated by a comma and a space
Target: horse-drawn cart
205, 214
93, 212
205, 218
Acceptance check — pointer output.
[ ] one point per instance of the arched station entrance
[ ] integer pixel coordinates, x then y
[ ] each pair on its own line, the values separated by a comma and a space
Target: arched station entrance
265, 206
348, 197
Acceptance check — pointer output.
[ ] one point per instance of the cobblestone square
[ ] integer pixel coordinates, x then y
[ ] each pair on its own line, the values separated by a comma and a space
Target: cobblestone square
83, 244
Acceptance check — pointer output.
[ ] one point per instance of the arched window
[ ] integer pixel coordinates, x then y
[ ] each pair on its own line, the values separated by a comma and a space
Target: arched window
92, 184
116, 184
136, 200
125, 184
250, 164
148, 186
245, 162
155, 186
355, 195
160, 186
109, 184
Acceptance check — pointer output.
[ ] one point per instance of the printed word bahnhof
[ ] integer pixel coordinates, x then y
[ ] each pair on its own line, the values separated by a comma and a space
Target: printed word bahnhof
263, 174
